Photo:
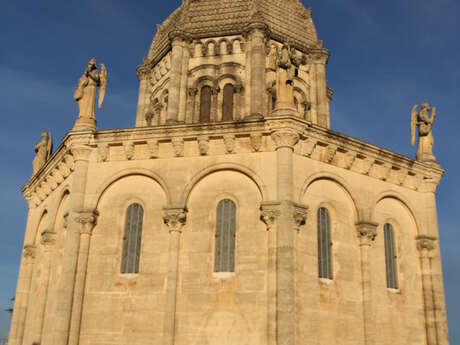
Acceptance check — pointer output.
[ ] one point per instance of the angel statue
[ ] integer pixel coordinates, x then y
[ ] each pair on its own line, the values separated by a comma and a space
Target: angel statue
422, 119
43, 150
85, 94
287, 64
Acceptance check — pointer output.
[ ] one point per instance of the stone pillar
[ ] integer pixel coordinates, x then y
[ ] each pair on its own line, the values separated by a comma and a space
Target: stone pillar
87, 220
183, 82
214, 103
142, 74
21, 301
238, 89
367, 232
47, 241
65, 290
269, 215
175, 219
257, 33
285, 265
191, 100
319, 60
426, 246
177, 41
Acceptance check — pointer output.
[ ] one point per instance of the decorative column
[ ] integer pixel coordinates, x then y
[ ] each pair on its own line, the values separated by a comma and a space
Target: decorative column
175, 219
367, 232
178, 45
65, 290
87, 221
191, 103
238, 89
47, 241
143, 72
257, 33
183, 81
214, 103
319, 60
426, 247
285, 141
21, 300
269, 215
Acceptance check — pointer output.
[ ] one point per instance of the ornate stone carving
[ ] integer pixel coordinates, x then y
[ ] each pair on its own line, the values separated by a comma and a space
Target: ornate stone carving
175, 218
256, 141
229, 142
426, 245
48, 238
269, 213
422, 120
285, 138
178, 146
331, 150
85, 94
87, 219
43, 150
154, 148
300, 216
29, 251
308, 147
103, 150
129, 150
367, 232
203, 145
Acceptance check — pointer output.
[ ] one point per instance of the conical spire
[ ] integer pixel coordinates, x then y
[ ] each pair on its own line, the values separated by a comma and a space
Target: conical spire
285, 19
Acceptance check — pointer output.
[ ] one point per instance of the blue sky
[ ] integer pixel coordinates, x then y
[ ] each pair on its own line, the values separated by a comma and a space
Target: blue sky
386, 56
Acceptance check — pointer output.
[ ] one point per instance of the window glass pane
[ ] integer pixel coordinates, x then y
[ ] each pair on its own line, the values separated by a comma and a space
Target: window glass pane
324, 244
132, 239
205, 104
390, 257
225, 237
227, 107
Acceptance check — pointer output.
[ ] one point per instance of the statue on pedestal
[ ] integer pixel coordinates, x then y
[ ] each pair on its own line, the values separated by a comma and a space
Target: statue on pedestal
43, 152
422, 119
85, 94
287, 64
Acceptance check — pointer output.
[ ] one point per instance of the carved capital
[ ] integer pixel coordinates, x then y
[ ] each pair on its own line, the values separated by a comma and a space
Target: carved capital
80, 152
192, 91
143, 72
285, 139
48, 238
269, 213
367, 232
300, 216
178, 36
426, 245
87, 219
175, 218
29, 251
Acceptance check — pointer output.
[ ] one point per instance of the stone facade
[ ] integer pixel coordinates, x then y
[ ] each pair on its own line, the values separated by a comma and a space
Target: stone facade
277, 167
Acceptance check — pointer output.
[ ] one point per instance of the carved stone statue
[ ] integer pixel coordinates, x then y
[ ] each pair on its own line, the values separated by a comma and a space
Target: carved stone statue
422, 119
85, 94
43, 150
287, 64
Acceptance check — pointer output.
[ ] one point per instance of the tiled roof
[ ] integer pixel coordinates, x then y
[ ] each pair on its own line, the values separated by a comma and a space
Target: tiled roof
286, 20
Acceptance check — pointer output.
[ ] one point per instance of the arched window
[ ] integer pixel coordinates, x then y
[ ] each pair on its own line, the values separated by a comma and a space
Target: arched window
205, 104
324, 244
132, 239
227, 106
390, 257
225, 237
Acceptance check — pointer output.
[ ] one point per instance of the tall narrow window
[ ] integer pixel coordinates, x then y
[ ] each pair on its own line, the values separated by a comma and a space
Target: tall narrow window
390, 257
227, 106
225, 237
324, 244
132, 239
205, 104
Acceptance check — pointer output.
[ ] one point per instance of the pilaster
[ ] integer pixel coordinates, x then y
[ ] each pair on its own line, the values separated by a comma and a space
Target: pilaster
175, 219
367, 232
86, 218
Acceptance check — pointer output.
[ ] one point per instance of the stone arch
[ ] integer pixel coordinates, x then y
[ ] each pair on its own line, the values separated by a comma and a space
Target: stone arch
130, 172
224, 43
223, 167
238, 45
337, 180
42, 225
399, 198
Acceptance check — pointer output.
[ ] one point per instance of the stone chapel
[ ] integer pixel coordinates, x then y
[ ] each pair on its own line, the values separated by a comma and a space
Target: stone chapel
231, 213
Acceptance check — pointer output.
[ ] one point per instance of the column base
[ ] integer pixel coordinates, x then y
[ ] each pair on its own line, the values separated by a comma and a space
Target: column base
84, 124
